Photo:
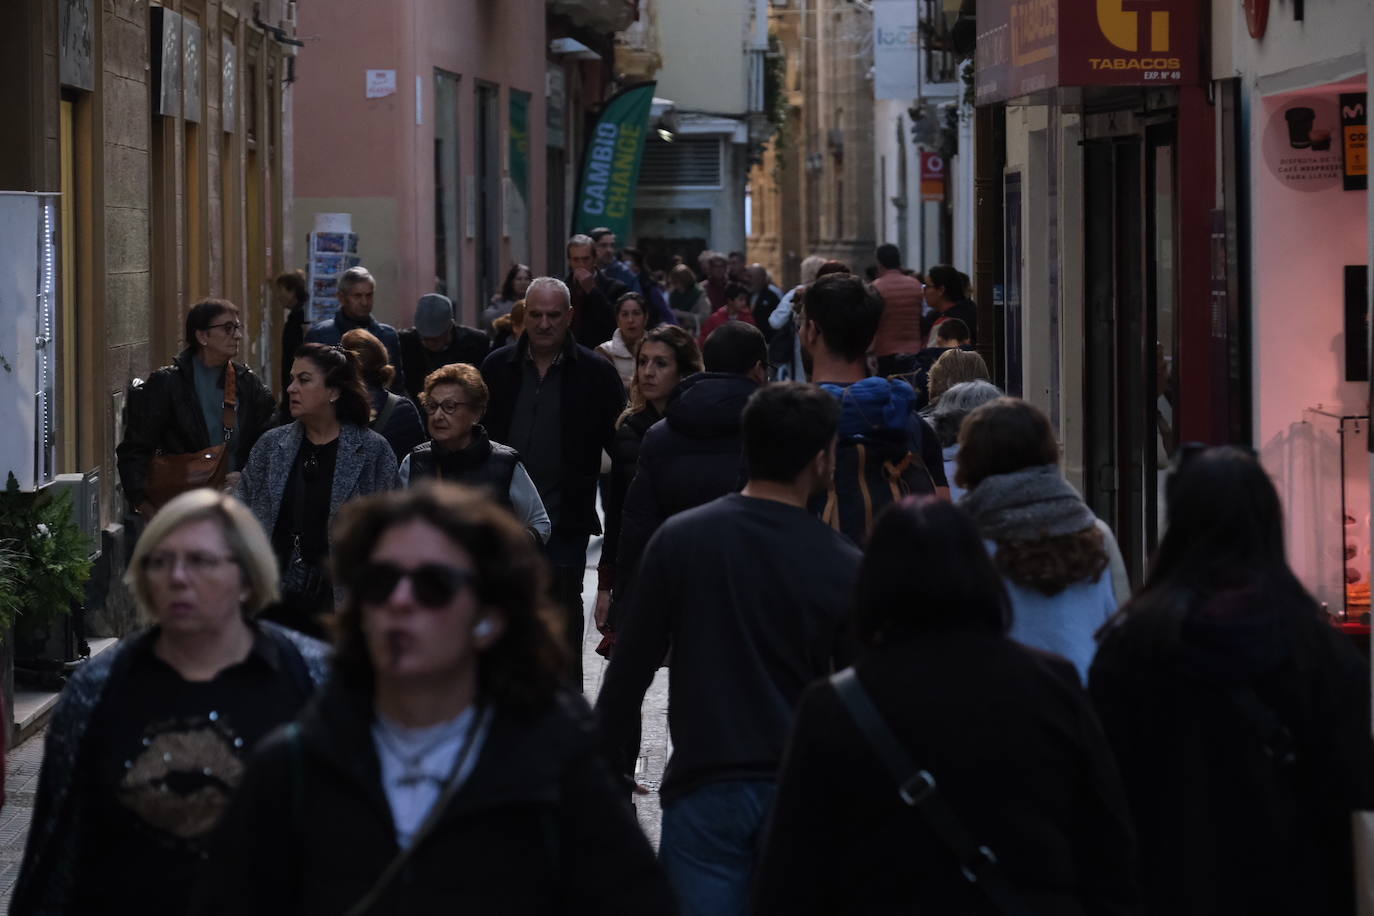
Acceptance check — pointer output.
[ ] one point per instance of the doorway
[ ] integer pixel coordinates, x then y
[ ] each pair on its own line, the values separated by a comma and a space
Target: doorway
1131, 286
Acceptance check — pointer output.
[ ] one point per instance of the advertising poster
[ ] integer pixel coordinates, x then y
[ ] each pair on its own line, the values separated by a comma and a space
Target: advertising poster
1355, 140
1301, 143
610, 164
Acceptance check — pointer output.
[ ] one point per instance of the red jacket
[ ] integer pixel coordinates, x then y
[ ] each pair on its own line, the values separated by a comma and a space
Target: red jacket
719, 317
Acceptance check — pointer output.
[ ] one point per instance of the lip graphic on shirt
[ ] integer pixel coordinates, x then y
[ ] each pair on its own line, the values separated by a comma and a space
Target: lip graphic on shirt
181, 782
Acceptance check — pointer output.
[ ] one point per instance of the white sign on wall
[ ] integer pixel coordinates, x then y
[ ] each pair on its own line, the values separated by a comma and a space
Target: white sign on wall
896, 50
381, 83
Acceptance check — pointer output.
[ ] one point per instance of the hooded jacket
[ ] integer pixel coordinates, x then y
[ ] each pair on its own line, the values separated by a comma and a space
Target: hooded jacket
537, 828
690, 457
1244, 747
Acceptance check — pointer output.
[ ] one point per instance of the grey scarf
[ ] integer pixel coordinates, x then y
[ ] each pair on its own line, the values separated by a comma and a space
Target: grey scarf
1027, 505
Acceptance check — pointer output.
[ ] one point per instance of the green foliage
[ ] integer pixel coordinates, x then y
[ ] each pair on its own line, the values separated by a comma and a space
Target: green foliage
46, 564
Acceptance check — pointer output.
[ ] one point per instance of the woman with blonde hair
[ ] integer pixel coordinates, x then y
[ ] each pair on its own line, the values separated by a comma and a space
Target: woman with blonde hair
954, 367
149, 740
394, 417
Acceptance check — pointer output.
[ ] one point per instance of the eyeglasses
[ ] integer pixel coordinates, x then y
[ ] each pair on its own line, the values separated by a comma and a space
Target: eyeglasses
196, 562
433, 584
449, 408
230, 327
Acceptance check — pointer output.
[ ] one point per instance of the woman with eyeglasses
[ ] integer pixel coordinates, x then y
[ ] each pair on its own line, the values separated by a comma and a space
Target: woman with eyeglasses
300, 474
1238, 713
459, 449
181, 409
443, 768
150, 738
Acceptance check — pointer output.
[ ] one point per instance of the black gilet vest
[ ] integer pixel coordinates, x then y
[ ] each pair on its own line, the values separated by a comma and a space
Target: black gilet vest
492, 473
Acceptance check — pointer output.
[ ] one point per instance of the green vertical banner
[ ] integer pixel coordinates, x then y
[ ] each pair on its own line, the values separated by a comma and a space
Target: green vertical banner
520, 140
610, 165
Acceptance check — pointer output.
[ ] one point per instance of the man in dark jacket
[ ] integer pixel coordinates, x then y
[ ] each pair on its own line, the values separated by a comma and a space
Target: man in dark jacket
693, 455
594, 294
356, 290
179, 409
556, 403
437, 340
751, 592
762, 299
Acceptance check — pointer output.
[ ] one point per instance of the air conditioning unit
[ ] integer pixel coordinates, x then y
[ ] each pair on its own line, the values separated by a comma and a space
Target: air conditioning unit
85, 494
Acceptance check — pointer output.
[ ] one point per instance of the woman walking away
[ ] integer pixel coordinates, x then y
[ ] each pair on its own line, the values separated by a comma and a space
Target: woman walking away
948, 416
952, 368
962, 701
1052, 552
393, 415
507, 329
149, 740
667, 355
300, 474
630, 318
443, 769
460, 450
1240, 716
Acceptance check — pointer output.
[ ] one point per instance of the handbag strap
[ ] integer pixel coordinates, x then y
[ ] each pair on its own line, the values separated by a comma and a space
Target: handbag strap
917, 789
229, 416
455, 782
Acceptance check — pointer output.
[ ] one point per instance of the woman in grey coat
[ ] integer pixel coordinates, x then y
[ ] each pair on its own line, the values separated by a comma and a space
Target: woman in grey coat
300, 474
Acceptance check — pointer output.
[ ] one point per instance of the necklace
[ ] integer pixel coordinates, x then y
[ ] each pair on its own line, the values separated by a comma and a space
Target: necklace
411, 761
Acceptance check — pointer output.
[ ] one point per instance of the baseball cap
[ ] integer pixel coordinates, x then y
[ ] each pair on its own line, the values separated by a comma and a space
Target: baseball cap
433, 315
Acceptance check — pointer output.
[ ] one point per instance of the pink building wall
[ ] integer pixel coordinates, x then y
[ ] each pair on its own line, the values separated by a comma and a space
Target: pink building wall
371, 158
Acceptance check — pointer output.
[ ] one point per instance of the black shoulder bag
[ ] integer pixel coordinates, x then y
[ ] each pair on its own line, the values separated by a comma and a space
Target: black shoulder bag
916, 788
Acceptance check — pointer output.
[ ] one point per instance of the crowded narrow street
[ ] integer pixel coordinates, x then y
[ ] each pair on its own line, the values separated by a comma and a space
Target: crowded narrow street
686, 457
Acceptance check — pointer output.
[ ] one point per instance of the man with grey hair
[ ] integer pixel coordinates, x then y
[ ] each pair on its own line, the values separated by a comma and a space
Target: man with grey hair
594, 294
356, 289
556, 402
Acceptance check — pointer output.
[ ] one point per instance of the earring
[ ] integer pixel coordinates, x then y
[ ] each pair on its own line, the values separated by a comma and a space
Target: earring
483, 628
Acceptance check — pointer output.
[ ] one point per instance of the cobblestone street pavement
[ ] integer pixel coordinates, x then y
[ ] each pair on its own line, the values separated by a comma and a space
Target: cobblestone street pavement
22, 764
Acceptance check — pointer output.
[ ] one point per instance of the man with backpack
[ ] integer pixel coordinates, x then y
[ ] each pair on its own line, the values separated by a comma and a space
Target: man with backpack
886, 450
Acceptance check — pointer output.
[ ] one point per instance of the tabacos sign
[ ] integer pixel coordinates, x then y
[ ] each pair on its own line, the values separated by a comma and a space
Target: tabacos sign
1025, 46
1141, 37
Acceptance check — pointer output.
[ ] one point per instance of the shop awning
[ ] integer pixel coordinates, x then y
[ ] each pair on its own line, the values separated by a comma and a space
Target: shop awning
1026, 46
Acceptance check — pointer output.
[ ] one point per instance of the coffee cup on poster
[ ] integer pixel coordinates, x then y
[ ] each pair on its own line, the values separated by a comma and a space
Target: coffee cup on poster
1300, 120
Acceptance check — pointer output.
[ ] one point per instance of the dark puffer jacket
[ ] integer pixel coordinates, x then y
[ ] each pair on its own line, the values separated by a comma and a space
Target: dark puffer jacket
690, 458
537, 828
163, 414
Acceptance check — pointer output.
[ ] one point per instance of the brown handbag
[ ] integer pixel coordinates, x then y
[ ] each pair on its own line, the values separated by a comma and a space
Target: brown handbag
171, 475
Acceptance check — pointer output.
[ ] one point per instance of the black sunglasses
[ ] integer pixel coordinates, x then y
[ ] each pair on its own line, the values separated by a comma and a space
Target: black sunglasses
433, 584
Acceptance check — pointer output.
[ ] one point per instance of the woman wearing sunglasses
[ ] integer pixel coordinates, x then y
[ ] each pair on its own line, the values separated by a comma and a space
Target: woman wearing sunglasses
454, 399
443, 768
150, 738
300, 474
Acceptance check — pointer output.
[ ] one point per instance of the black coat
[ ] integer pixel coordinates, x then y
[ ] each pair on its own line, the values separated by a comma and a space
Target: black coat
762, 304
469, 345
594, 312
1215, 835
592, 398
537, 828
292, 336
1015, 750
692, 456
163, 414
624, 463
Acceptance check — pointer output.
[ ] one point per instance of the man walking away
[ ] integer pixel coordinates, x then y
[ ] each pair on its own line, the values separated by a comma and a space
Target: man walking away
437, 340
594, 294
899, 332
556, 403
357, 289
695, 454
751, 592
886, 449
762, 299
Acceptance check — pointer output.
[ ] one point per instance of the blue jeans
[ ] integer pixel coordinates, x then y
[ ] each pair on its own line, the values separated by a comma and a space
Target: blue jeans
709, 843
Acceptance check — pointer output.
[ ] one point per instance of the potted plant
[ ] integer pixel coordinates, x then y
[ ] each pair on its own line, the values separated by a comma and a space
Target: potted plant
47, 566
